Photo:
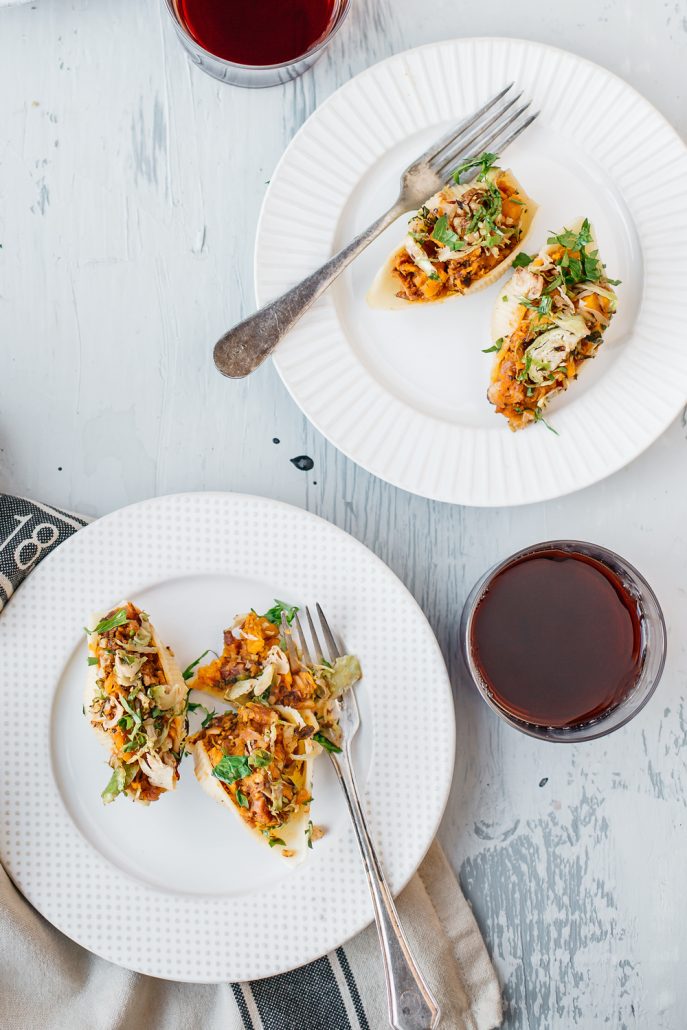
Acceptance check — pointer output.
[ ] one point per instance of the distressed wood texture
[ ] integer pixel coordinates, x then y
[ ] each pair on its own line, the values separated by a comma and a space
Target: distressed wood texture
129, 191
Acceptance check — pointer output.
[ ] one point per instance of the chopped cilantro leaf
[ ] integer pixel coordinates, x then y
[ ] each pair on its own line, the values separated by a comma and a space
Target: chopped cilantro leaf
539, 417
274, 613
188, 671
241, 798
231, 768
105, 625
326, 743
443, 235
484, 162
495, 347
308, 833
571, 240
92, 661
522, 260
210, 713
234, 767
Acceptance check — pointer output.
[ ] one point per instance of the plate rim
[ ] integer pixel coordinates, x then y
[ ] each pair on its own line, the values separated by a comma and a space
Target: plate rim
659, 426
45, 566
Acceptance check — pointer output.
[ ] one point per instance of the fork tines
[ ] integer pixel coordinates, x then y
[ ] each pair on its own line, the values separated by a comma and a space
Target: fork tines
493, 127
333, 650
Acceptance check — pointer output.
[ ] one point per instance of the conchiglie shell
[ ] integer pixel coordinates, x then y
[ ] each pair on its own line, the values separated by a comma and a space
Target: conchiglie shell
170, 667
293, 833
505, 316
385, 286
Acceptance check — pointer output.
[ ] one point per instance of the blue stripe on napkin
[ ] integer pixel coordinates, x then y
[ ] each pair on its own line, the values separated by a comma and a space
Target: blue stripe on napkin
242, 1007
306, 997
353, 988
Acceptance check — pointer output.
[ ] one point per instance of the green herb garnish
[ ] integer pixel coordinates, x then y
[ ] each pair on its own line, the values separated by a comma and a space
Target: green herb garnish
446, 237
234, 767
132, 712
494, 347
188, 671
241, 798
571, 240
484, 162
274, 613
231, 768
522, 260
274, 841
539, 417
587, 266
92, 661
308, 833
112, 622
326, 743
210, 713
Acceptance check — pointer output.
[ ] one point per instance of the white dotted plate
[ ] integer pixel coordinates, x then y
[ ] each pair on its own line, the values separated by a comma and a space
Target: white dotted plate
179, 890
403, 393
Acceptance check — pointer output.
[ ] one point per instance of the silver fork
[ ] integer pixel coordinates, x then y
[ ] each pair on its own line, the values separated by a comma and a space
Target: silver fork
240, 351
410, 1001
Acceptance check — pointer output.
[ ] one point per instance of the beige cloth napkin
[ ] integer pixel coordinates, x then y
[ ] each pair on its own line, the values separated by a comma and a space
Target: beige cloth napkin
49, 983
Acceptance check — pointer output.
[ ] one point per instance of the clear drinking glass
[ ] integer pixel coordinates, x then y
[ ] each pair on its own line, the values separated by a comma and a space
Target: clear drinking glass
255, 76
652, 644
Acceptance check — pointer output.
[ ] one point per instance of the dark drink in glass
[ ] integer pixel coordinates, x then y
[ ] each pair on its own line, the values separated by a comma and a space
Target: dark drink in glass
565, 640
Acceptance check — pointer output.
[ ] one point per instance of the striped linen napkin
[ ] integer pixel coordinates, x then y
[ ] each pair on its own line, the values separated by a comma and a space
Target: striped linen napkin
48, 981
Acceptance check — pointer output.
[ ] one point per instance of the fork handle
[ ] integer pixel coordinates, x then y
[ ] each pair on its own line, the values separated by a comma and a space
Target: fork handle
410, 1001
240, 351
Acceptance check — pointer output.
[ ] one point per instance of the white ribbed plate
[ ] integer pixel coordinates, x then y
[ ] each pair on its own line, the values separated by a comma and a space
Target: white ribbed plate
179, 889
404, 393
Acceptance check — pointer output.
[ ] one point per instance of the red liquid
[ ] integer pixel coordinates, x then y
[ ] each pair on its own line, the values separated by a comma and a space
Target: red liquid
556, 639
256, 32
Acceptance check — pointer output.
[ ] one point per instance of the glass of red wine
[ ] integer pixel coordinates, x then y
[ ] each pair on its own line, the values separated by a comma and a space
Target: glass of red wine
565, 640
260, 43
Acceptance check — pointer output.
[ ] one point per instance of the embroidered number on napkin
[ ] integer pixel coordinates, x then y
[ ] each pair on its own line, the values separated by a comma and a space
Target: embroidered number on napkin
28, 531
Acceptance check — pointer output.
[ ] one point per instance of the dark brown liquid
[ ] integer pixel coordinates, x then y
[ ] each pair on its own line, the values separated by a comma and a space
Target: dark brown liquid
557, 639
256, 32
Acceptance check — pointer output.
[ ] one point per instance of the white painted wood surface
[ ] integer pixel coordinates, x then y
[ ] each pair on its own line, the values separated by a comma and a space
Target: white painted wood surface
129, 191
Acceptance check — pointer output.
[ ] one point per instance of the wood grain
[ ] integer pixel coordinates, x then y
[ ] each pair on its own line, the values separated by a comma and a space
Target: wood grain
130, 186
